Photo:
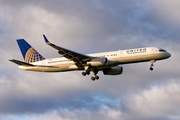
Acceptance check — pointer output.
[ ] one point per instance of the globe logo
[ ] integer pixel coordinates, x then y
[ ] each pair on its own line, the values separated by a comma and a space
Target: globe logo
33, 56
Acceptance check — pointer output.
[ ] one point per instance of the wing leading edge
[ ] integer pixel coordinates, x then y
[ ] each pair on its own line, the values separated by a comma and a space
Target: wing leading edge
78, 58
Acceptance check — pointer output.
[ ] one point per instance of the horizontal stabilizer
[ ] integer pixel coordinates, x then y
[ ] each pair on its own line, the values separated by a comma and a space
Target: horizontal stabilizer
20, 62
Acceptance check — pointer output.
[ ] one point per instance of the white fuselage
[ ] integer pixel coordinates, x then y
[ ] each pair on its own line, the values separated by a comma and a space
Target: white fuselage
114, 58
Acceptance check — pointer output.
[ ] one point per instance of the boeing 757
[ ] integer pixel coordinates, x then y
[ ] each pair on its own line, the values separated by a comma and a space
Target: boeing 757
110, 63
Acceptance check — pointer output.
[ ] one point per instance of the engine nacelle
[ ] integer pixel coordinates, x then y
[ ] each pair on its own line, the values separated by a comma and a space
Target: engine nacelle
113, 70
98, 62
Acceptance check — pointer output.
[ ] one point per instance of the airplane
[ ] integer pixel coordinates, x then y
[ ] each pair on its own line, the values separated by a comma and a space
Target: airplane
110, 63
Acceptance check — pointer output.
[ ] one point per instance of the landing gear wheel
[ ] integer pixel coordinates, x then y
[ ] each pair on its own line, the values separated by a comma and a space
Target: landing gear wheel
87, 72
96, 77
93, 78
84, 73
152, 61
151, 68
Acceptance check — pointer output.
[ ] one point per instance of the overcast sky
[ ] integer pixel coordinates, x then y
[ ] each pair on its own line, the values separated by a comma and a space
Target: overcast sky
89, 26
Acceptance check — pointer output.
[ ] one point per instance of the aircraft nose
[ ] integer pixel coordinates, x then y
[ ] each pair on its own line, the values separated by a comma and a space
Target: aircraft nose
168, 55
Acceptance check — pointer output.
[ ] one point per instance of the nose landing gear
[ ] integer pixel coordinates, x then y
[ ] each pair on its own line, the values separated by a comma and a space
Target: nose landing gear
152, 61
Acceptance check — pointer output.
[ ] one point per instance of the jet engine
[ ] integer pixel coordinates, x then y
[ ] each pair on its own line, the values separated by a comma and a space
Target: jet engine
98, 62
113, 70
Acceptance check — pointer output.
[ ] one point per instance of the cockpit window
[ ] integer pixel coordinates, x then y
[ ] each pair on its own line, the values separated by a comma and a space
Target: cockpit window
161, 50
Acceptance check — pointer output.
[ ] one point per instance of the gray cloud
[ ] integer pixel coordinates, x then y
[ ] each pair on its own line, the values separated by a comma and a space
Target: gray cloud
157, 102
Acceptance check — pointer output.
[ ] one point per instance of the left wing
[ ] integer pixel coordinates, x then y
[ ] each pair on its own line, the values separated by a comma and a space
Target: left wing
78, 58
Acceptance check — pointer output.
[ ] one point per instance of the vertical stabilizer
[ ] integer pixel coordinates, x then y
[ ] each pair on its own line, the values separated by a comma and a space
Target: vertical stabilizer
29, 53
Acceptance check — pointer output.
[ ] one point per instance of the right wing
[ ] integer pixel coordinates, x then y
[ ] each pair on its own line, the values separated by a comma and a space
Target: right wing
78, 58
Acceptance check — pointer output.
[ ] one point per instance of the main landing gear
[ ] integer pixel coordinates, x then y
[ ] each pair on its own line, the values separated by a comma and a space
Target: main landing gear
85, 73
95, 77
152, 61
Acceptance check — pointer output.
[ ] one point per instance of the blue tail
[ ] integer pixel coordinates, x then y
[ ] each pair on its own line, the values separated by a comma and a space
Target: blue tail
29, 54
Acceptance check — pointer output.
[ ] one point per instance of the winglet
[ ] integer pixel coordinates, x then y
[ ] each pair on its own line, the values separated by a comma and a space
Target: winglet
46, 40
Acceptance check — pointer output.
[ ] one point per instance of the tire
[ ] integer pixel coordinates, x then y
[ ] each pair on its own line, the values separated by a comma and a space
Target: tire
151, 68
84, 73
96, 77
93, 78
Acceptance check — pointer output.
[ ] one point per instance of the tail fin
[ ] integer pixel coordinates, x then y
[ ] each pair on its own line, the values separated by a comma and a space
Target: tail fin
29, 53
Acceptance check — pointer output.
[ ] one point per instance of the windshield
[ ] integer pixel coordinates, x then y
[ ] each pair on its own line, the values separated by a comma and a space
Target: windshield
161, 50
